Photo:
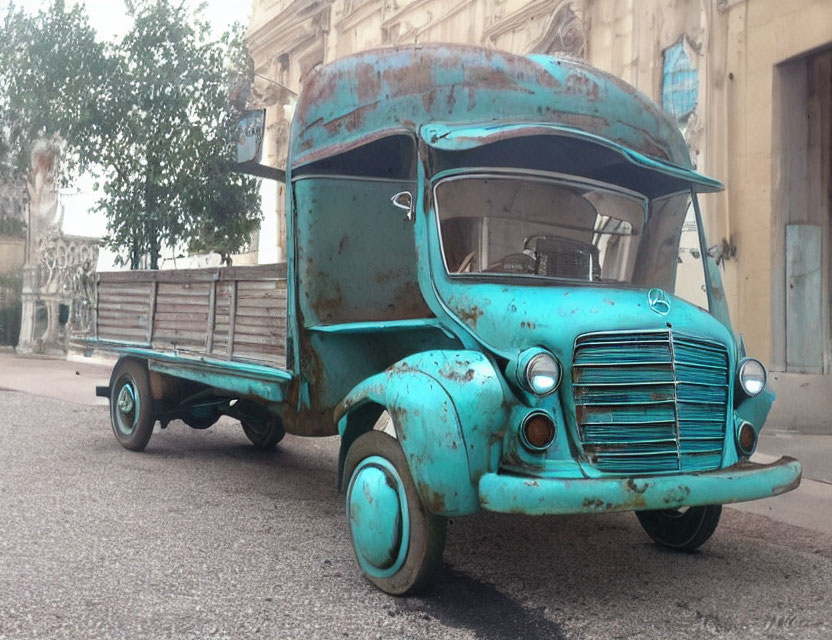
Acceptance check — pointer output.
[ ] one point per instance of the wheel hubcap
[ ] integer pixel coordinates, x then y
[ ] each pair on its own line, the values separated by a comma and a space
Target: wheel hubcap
378, 515
127, 408
125, 399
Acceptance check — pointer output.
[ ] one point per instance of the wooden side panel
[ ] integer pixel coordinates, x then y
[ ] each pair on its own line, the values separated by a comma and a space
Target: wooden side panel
236, 313
123, 311
181, 319
260, 321
804, 317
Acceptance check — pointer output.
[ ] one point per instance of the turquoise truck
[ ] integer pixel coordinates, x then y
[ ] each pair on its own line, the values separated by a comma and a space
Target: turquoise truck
482, 298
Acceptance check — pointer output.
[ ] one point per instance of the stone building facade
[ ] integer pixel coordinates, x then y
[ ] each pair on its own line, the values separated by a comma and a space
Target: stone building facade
749, 81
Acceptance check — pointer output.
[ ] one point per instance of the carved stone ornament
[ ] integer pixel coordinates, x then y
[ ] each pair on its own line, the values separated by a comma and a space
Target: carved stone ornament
59, 275
564, 33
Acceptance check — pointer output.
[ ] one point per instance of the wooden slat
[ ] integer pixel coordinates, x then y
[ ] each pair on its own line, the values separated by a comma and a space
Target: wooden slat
255, 338
254, 306
248, 349
181, 294
154, 291
95, 308
128, 307
271, 294
118, 333
212, 313
278, 361
231, 320
120, 319
118, 294
263, 317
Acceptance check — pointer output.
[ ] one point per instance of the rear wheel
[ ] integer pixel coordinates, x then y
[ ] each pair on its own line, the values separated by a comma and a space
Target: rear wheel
681, 529
264, 434
132, 412
398, 543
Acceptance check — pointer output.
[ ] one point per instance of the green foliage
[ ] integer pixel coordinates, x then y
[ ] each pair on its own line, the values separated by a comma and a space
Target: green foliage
12, 227
55, 76
170, 149
150, 115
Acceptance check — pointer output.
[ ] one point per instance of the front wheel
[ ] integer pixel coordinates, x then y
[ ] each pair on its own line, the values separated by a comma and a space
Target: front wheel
132, 413
681, 529
398, 543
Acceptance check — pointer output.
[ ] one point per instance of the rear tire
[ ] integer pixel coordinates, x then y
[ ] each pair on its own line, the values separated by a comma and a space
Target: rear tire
132, 413
681, 530
397, 542
263, 434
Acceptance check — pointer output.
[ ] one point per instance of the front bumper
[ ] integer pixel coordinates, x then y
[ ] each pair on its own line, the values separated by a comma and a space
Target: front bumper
551, 496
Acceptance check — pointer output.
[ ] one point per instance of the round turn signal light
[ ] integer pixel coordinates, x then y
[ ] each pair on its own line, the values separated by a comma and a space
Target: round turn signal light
538, 432
746, 438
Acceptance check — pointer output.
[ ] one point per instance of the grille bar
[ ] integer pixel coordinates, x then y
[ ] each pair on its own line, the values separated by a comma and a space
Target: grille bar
650, 402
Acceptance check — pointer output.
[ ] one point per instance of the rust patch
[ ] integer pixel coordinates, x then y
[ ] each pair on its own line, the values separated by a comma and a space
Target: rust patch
349, 121
530, 325
385, 276
593, 503
320, 87
546, 79
456, 376
579, 84
428, 98
329, 308
470, 316
343, 244
451, 99
415, 78
434, 501
677, 495
634, 488
368, 82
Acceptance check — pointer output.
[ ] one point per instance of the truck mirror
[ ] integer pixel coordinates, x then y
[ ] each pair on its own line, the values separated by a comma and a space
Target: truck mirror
404, 200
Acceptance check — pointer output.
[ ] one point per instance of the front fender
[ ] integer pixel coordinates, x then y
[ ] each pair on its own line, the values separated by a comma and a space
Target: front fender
755, 410
449, 412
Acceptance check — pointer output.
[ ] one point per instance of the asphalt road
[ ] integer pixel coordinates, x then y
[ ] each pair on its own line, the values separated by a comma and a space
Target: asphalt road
202, 536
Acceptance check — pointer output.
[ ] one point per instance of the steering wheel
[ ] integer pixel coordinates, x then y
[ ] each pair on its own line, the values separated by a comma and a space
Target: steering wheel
515, 263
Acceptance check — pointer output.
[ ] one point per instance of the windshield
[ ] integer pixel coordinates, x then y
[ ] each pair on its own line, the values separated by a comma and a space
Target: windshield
558, 228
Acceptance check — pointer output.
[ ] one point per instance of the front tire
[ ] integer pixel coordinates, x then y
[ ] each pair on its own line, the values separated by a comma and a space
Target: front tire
132, 413
682, 530
397, 542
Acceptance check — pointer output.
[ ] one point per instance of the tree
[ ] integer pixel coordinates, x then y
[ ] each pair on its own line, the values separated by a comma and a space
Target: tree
169, 168
150, 115
52, 74
55, 77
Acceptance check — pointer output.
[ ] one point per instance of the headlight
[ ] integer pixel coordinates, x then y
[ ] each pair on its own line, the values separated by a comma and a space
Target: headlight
751, 375
542, 372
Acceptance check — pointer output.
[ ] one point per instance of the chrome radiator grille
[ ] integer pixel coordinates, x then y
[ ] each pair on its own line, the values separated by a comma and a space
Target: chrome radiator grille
650, 402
